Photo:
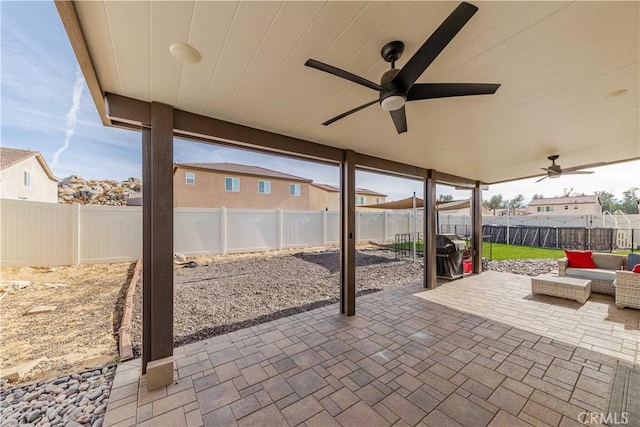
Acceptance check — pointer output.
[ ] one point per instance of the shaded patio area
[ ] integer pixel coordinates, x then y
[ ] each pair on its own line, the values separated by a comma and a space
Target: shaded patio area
474, 352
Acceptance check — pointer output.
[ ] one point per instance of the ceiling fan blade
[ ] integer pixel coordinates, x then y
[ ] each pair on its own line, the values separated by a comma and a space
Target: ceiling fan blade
342, 73
444, 90
551, 171
564, 172
435, 44
343, 115
399, 117
544, 177
587, 166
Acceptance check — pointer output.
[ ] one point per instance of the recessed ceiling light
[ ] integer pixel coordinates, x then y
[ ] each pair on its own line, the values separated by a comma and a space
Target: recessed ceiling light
617, 92
184, 53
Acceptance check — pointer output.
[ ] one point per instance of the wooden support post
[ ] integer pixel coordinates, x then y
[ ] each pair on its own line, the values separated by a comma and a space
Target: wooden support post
158, 247
476, 227
348, 234
429, 276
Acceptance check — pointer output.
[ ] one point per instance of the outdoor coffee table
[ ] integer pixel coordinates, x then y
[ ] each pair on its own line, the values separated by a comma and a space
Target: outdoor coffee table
562, 287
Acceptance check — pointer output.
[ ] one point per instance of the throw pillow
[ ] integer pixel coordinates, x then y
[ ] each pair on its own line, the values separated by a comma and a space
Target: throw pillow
632, 260
636, 269
579, 259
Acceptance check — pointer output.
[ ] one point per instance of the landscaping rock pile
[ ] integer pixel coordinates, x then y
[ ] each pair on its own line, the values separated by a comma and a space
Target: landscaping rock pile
72, 400
528, 267
75, 189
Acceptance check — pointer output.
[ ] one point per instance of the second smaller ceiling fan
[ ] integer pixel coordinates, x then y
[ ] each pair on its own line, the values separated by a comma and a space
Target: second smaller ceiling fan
556, 171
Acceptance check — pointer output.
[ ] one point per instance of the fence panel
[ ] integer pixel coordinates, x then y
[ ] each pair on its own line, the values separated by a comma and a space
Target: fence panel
333, 228
110, 234
302, 229
371, 226
35, 233
252, 230
197, 231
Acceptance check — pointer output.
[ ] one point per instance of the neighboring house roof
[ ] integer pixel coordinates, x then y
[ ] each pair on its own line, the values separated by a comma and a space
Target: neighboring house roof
242, 169
10, 157
335, 189
564, 200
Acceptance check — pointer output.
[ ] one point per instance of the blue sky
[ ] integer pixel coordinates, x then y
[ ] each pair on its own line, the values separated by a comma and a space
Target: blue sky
46, 107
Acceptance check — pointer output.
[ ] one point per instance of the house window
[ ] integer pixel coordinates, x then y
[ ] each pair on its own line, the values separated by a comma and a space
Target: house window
190, 178
540, 209
566, 207
232, 184
294, 189
575, 207
27, 179
360, 200
549, 208
264, 187
378, 200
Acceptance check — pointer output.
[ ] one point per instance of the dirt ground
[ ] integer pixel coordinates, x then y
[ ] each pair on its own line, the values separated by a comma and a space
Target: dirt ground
80, 333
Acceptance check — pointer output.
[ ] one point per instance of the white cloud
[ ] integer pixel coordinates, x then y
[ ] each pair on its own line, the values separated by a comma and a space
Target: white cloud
72, 116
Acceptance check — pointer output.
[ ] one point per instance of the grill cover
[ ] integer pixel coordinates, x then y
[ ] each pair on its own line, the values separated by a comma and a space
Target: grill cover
450, 250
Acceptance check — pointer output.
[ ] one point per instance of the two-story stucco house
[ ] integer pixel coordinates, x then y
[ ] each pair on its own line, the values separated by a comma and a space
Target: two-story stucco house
231, 185
576, 205
327, 197
25, 175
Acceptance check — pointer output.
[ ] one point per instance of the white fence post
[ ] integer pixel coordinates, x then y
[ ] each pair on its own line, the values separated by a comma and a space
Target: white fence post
324, 228
75, 234
223, 230
280, 229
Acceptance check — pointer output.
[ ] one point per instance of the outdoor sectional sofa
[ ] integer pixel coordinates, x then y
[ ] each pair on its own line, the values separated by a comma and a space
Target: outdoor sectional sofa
609, 277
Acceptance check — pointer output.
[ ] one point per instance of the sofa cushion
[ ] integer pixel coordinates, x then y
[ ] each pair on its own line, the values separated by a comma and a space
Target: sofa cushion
632, 260
580, 259
592, 273
608, 261
636, 269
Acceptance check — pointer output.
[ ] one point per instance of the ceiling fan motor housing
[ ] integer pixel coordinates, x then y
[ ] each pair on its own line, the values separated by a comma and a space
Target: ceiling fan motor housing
391, 91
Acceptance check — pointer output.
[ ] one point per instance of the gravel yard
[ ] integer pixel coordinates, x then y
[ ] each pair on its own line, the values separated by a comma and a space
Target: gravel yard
226, 293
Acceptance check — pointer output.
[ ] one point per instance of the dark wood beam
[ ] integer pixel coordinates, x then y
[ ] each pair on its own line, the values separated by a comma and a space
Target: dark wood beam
429, 276
457, 181
71, 23
348, 234
127, 111
476, 227
158, 234
389, 167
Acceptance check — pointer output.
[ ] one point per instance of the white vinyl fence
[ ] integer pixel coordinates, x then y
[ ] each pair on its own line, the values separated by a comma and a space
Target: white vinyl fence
33, 233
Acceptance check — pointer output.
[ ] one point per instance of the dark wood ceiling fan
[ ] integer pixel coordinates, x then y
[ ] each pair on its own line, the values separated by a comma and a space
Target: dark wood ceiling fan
398, 86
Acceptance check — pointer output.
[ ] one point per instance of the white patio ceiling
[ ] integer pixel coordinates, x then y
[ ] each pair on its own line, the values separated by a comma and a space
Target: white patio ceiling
557, 63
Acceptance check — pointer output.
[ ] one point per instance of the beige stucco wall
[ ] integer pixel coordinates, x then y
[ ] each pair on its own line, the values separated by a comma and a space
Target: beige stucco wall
209, 192
42, 189
321, 199
573, 209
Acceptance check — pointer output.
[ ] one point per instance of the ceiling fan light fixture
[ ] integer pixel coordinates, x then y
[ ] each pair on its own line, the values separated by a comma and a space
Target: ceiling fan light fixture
185, 53
392, 103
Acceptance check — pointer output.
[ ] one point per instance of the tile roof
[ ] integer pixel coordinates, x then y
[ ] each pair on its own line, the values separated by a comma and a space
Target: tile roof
12, 156
242, 169
336, 189
563, 200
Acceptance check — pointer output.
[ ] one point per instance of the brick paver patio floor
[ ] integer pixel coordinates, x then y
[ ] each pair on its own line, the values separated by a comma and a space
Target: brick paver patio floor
474, 352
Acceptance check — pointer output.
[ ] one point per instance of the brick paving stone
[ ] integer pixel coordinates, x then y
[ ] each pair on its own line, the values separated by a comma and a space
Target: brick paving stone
205, 382
442, 371
462, 355
306, 382
322, 419
522, 389
438, 419
254, 374
409, 382
335, 347
244, 407
217, 396
386, 413
547, 387
534, 355
585, 399
464, 411
361, 377
284, 365
267, 416
504, 419
512, 370
554, 350
423, 400
301, 410
507, 400
561, 374
194, 418
404, 408
330, 406
173, 418
307, 359
173, 401
447, 361
477, 388
482, 374
541, 413
370, 394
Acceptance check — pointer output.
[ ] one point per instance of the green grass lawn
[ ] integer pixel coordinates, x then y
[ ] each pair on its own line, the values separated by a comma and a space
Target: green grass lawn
503, 252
